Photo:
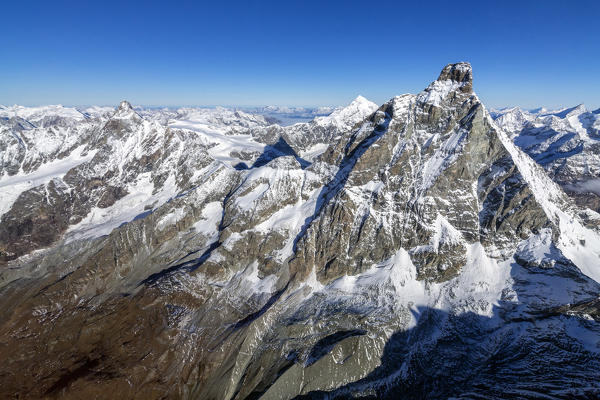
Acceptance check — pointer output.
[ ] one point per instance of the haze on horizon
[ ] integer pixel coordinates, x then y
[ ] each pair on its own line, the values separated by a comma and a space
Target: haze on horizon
296, 54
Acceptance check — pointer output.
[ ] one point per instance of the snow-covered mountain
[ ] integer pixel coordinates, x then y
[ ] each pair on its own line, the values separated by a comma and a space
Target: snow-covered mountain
565, 142
408, 250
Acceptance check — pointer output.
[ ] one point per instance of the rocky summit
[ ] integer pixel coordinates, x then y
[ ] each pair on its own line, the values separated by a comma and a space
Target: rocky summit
424, 248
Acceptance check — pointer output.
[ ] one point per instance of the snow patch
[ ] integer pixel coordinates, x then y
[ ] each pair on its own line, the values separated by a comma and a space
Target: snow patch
211, 216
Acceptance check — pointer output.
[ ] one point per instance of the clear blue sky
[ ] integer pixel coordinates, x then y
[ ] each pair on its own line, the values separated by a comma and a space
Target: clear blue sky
526, 53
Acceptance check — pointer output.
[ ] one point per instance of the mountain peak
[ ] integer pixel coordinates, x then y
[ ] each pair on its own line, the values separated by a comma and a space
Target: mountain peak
360, 100
460, 72
125, 111
454, 79
125, 106
349, 115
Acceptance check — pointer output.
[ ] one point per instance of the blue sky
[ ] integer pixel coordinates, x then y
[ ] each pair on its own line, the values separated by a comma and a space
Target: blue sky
525, 53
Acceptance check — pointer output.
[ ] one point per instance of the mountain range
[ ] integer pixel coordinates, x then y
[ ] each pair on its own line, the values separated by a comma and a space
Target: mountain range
423, 248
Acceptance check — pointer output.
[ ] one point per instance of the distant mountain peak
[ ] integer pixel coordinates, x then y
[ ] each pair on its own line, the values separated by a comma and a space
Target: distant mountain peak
125, 111
361, 100
125, 106
349, 115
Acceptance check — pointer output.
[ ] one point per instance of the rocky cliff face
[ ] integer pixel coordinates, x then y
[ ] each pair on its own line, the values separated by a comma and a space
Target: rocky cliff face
410, 250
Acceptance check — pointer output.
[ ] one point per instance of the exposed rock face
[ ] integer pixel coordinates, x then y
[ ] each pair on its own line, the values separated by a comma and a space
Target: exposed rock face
403, 251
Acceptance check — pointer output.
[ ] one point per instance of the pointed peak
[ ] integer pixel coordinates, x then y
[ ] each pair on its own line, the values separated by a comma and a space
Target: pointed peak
125, 106
460, 72
454, 79
360, 104
360, 100
125, 111
349, 115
